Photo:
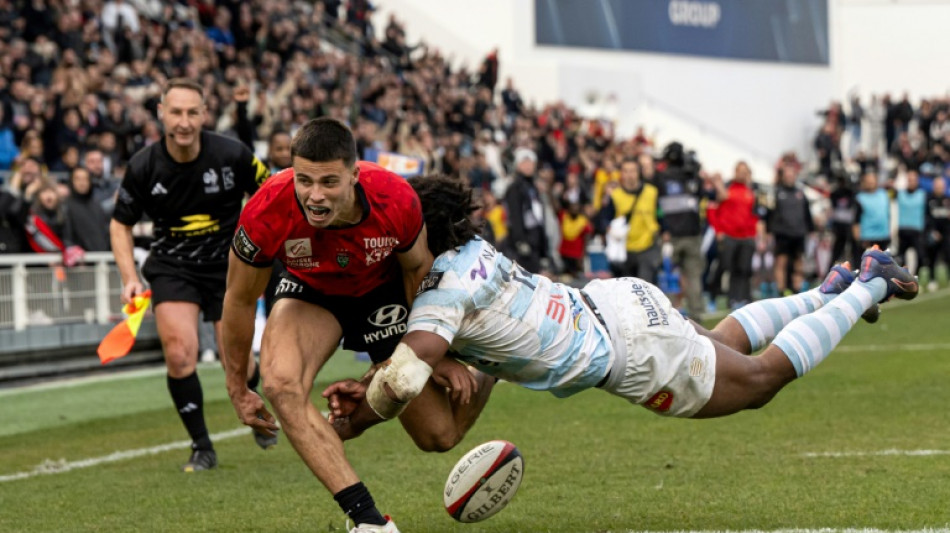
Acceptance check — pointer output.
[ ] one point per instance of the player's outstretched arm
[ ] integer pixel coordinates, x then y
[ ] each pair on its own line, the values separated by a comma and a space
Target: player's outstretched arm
245, 285
399, 380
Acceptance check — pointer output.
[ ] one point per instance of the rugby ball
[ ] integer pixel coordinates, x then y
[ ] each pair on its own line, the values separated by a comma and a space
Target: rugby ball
484, 481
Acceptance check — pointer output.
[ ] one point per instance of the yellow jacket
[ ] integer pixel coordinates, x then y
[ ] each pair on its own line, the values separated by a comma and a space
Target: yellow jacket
643, 225
601, 179
498, 219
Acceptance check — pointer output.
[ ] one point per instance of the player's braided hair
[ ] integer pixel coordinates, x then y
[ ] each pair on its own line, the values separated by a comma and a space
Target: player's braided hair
447, 206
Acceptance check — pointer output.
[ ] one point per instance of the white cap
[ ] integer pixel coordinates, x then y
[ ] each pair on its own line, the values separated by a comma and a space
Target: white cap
522, 154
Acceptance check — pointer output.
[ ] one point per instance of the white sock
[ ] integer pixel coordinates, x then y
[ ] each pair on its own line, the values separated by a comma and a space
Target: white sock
808, 340
763, 320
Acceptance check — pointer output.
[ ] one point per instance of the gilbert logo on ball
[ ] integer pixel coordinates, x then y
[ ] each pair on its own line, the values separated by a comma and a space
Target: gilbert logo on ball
483, 481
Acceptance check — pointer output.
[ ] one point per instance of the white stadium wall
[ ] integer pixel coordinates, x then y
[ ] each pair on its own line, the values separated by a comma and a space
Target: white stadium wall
892, 46
725, 109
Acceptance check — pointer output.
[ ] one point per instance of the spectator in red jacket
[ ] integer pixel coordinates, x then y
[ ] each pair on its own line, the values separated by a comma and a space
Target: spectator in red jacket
737, 226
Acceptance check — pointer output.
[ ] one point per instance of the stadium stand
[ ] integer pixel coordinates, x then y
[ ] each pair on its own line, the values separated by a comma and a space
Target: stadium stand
80, 82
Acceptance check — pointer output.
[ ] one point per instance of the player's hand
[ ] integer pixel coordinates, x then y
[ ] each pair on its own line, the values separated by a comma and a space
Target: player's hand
131, 290
344, 429
32, 188
252, 412
343, 397
456, 378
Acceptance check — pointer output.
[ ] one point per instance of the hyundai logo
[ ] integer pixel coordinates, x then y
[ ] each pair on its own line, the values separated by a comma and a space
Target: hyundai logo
388, 315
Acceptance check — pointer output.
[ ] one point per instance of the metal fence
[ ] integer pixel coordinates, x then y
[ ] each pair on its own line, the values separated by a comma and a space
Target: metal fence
35, 290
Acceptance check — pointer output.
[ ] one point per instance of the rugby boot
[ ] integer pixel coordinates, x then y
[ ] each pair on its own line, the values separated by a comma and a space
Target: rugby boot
840, 278
201, 460
390, 527
876, 263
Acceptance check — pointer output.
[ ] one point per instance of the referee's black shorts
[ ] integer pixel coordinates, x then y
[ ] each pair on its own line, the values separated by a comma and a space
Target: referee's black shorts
174, 282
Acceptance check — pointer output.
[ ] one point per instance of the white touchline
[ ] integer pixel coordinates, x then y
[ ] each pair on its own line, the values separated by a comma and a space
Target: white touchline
892, 347
803, 530
58, 467
118, 375
879, 453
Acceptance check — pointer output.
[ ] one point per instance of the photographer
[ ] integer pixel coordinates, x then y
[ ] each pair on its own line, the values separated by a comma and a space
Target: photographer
681, 191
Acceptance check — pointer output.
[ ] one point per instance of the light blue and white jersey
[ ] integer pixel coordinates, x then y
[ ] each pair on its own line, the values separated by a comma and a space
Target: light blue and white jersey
510, 323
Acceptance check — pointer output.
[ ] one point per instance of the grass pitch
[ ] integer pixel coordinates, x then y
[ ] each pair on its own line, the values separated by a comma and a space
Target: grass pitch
863, 441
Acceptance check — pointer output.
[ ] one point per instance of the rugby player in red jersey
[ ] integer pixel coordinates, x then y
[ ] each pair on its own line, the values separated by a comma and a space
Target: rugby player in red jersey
352, 238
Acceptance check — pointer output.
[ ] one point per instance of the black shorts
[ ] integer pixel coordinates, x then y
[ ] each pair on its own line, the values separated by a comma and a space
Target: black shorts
793, 247
372, 323
172, 282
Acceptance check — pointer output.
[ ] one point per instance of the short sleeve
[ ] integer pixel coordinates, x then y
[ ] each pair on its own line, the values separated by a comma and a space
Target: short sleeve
255, 241
440, 308
129, 205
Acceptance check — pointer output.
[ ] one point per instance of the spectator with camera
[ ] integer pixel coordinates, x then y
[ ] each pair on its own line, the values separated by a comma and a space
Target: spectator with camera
680, 194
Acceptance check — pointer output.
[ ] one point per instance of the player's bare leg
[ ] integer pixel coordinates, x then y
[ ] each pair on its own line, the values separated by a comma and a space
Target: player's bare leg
177, 324
729, 333
753, 327
750, 382
298, 339
436, 423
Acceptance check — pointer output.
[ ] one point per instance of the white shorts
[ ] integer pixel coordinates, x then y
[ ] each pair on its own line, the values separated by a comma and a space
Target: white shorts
662, 363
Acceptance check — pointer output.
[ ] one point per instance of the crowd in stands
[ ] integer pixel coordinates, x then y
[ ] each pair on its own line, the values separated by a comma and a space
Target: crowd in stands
80, 82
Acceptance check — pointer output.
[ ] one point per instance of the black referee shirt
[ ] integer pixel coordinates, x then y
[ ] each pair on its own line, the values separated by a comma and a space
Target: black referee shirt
195, 206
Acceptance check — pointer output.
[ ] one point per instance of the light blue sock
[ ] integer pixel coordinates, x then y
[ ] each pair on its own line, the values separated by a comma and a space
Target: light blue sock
808, 340
762, 320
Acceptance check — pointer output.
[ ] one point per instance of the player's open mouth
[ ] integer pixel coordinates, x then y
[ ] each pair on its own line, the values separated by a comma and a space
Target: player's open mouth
319, 211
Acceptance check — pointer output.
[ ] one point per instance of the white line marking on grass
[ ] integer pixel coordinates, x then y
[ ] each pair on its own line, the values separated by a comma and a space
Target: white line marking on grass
49, 466
802, 530
118, 375
878, 453
894, 347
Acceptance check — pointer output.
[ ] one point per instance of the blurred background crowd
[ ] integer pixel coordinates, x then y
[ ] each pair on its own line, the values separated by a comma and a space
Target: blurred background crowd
80, 82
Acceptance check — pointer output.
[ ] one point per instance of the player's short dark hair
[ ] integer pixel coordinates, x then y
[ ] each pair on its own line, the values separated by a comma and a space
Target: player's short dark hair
276, 133
324, 139
447, 206
183, 83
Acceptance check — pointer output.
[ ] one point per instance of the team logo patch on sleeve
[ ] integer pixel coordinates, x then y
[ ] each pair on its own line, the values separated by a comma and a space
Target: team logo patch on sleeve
431, 281
244, 246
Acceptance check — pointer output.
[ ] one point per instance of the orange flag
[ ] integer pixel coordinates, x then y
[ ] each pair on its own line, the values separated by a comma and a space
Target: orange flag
118, 342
